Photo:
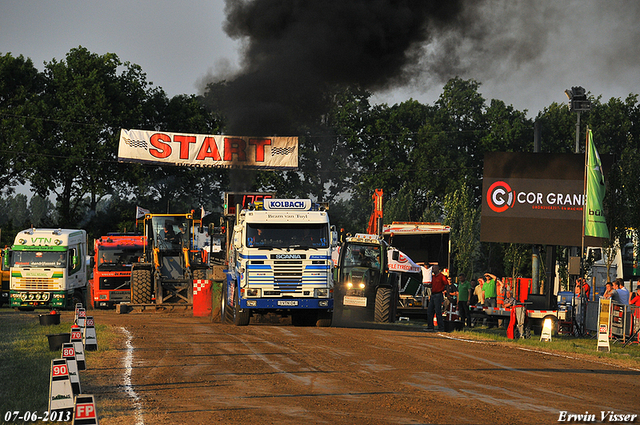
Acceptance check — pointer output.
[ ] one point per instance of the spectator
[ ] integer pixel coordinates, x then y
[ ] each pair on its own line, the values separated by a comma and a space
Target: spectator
635, 297
611, 293
622, 291
451, 295
489, 288
509, 301
426, 281
464, 291
438, 284
479, 291
582, 288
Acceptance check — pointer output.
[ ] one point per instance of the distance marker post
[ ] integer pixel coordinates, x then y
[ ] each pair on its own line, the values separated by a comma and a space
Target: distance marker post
76, 339
75, 316
84, 410
60, 390
82, 315
69, 354
90, 339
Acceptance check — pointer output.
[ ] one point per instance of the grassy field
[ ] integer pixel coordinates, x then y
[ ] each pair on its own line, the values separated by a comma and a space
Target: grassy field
26, 358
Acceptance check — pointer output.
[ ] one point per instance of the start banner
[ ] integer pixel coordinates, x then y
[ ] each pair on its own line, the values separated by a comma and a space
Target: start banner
201, 150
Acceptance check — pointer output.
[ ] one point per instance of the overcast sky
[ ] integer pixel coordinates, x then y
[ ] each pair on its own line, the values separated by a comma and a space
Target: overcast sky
525, 53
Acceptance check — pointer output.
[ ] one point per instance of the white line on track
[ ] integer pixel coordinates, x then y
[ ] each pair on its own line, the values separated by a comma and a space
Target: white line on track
128, 387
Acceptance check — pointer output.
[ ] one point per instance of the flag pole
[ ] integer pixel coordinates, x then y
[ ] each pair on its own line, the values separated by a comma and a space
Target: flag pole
584, 199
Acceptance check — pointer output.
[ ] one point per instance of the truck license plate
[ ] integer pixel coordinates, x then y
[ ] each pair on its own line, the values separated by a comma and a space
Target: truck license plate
287, 303
355, 301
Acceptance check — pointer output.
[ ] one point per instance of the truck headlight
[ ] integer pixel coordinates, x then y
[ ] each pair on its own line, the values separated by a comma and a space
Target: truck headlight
252, 303
323, 303
253, 292
322, 293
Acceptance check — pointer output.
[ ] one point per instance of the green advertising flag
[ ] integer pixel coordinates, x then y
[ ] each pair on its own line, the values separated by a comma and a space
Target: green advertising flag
594, 220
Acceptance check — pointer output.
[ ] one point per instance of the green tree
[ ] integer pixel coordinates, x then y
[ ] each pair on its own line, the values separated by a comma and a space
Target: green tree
464, 219
20, 83
87, 98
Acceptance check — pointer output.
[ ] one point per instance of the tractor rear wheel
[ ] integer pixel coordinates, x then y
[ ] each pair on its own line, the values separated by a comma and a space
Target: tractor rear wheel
140, 287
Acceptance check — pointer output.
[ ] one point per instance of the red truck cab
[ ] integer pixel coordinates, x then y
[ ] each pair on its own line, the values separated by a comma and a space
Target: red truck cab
113, 256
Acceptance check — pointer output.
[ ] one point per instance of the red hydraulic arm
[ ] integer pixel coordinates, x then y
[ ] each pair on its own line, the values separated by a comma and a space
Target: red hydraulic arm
375, 221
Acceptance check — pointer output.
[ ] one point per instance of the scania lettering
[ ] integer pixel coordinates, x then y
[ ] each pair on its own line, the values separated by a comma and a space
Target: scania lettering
48, 268
280, 263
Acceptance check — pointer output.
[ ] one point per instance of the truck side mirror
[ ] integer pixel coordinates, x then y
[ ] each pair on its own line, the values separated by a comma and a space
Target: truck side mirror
395, 255
5, 258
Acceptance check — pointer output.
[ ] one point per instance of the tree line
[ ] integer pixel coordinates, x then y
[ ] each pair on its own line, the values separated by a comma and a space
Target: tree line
59, 131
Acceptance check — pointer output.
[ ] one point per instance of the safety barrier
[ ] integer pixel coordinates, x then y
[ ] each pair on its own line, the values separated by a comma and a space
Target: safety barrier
635, 324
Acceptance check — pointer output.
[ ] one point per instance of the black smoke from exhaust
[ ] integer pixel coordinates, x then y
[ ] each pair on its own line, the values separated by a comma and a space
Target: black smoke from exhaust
295, 51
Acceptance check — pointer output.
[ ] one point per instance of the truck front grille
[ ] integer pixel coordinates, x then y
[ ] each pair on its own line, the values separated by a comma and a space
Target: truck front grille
34, 284
287, 273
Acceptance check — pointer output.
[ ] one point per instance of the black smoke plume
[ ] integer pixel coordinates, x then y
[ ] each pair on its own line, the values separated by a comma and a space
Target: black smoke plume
297, 50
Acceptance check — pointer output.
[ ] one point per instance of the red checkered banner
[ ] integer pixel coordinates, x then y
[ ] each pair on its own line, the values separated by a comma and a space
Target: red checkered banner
201, 150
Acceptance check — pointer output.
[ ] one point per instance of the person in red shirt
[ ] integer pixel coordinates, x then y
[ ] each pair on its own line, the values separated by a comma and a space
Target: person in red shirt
634, 299
582, 288
438, 284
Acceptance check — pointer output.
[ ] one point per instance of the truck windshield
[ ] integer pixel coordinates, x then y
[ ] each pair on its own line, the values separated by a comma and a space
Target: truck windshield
357, 255
283, 235
57, 259
110, 258
171, 233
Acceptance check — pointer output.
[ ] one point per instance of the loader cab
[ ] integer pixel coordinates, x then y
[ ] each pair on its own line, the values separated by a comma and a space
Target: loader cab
169, 233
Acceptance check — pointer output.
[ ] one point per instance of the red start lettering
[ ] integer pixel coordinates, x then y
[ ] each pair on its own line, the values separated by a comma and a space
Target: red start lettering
260, 144
235, 148
161, 143
184, 141
234, 145
209, 149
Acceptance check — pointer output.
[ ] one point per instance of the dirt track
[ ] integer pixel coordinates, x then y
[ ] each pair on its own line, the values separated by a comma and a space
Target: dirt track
189, 370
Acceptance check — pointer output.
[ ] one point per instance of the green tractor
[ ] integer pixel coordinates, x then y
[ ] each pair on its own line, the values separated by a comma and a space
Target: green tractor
365, 289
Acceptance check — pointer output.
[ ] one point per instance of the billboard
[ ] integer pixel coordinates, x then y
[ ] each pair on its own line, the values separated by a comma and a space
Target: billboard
201, 150
533, 198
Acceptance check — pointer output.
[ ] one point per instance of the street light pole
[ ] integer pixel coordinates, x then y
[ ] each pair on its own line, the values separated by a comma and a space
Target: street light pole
578, 132
578, 102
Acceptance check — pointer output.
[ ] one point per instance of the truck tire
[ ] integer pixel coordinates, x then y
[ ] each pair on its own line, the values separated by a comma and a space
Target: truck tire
226, 313
240, 318
324, 319
140, 287
384, 307
77, 298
